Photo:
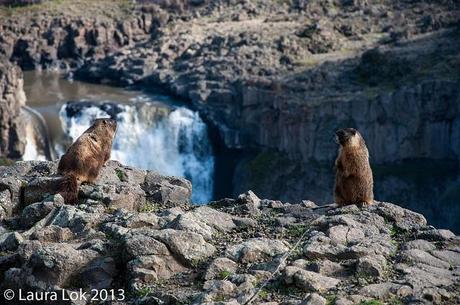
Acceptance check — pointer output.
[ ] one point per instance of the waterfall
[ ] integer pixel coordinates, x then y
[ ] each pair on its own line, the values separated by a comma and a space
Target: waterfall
31, 151
172, 141
37, 142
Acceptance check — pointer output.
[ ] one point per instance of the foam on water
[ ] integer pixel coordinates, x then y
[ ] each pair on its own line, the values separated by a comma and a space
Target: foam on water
31, 150
176, 144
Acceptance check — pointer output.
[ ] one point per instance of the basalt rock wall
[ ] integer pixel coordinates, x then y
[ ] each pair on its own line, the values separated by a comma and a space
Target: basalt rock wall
12, 97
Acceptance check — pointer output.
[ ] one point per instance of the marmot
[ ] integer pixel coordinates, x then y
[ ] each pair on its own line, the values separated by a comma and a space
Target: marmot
353, 181
84, 159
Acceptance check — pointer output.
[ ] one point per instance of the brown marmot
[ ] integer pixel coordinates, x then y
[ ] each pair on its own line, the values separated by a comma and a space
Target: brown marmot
353, 181
84, 159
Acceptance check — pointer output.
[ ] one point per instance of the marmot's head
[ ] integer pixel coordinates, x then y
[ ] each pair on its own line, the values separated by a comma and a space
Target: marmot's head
349, 137
106, 125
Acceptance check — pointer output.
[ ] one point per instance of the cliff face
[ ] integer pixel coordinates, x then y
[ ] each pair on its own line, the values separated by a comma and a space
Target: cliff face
55, 38
270, 77
134, 230
12, 97
417, 122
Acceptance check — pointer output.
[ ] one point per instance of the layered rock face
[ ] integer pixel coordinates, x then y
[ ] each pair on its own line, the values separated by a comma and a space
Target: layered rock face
416, 122
12, 97
134, 230
271, 77
63, 40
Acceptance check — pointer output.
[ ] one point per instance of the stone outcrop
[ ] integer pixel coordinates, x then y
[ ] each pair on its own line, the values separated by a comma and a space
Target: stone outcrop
12, 97
162, 249
64, 41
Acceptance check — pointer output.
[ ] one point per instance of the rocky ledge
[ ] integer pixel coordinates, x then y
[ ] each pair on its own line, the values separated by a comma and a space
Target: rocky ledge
136, 230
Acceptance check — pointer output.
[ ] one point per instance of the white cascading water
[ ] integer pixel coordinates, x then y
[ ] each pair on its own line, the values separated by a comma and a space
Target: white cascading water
31, 151
176, 144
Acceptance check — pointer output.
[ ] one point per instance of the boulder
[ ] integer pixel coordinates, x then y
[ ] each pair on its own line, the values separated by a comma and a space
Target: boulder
220, 268
10, 241
190, 248
310, 281
171, 191
257, 249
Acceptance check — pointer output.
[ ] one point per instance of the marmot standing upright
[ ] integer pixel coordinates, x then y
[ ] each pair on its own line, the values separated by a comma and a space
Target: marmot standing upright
353, 181
84, 159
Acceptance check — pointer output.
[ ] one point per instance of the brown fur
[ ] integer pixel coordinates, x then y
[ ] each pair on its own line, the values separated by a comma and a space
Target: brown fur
84, 159
353, 182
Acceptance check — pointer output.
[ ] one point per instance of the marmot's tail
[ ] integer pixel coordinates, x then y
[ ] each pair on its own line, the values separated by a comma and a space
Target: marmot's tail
68, 188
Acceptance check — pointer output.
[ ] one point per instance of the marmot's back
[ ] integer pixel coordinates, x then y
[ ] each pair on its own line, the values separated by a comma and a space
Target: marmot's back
354, 182
84, 159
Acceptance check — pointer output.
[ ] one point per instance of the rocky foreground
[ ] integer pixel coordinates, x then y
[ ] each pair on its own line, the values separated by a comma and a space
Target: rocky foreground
136, 230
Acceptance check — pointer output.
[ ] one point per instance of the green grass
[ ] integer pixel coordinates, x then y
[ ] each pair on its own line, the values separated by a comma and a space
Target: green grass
148, 208
371, 302
110, 210
263, 294
143, 292
296, 230
219, 298
395, 301
6, 162
121, 175
225, 274
330, 299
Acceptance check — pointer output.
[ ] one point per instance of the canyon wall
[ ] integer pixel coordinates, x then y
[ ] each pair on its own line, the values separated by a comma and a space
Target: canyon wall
414, 122
12, 97
273, 81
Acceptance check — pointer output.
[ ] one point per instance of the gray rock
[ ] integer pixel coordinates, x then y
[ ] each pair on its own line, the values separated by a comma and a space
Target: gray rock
308, 280
383, 291
143, 220
151, 268
52, 233
403, 218
191, 248
256, 249
419, 244
12, 97
10, 241
436, 235
6, 204
50, 265
190, 223
220, 268
314, 299
220, 221
171, 191
99, 274
41, 188
120, 195
249, 202
345, 235
420, 277
451, 257
373, 266
328, 268
419, 256
218, 290
138, 244
36, 211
